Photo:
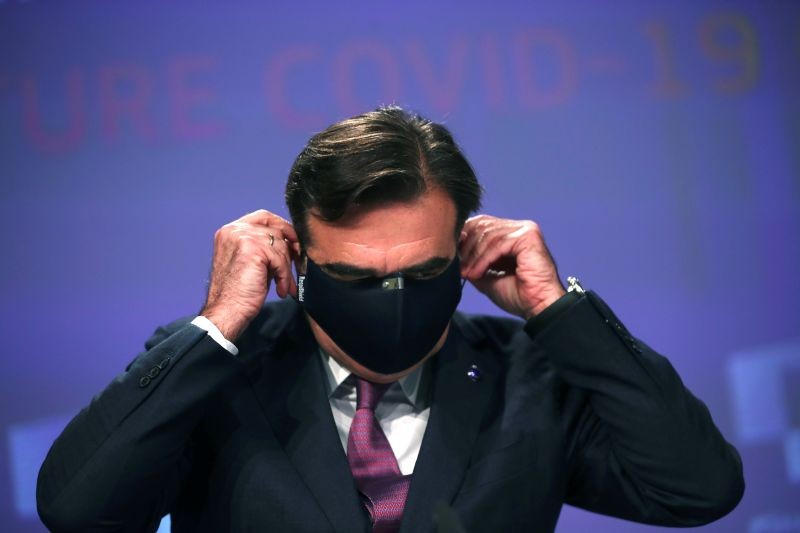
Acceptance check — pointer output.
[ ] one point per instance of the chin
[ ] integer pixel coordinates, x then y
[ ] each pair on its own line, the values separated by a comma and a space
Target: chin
370, 375
331, 348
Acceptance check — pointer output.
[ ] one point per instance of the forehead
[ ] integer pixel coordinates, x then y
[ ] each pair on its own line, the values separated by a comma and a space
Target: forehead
388, 237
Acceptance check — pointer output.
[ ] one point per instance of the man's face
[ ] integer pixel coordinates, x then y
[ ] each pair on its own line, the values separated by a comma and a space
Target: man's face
417, 238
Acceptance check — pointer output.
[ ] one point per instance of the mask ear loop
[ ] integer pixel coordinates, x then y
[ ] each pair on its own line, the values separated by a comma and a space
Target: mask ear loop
463, 280
301, 278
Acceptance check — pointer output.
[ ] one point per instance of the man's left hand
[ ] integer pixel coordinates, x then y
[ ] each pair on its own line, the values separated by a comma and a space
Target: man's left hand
508, 261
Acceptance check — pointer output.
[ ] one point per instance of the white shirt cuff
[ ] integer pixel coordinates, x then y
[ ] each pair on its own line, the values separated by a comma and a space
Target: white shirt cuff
203, 323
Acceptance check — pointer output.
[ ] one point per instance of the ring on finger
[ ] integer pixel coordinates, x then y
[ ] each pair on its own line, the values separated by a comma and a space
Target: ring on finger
271, 239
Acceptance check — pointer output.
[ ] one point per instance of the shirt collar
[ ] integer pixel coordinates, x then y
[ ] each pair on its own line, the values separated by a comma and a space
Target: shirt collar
411, 384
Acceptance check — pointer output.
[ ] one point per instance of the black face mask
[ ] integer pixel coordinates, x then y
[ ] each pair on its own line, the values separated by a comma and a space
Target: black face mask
385, 324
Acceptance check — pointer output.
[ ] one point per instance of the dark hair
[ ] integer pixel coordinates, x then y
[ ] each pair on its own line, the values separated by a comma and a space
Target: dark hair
386, 155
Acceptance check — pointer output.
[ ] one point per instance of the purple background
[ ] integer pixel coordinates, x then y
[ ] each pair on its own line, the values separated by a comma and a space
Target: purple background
657, 144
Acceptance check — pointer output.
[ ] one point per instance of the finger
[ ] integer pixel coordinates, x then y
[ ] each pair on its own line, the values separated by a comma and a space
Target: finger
474, 229
294, 248
249, 246
293, 257
279, 267
286, 228
484, 284
500, 247
264, 236
262, 217
259, 216
487, 240
277, 259
291, 286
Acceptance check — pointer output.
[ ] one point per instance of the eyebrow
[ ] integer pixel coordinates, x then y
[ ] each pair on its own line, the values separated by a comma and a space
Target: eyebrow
345, 270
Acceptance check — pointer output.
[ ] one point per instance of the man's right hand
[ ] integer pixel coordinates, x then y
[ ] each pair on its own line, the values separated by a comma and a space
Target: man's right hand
246, 259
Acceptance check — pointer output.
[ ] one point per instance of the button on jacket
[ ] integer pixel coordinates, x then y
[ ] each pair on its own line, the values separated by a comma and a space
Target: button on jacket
523, 418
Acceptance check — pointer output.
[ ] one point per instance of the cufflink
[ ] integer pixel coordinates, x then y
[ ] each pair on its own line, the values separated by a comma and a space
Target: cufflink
574, 285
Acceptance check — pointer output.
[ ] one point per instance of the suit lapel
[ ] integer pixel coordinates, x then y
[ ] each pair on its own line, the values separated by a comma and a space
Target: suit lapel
290, 388
288, 382
457, 408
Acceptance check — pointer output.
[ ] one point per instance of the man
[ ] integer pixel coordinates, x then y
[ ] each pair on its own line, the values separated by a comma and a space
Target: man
364, 401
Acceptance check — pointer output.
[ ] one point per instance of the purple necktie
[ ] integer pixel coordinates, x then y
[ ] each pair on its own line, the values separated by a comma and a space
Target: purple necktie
378, 478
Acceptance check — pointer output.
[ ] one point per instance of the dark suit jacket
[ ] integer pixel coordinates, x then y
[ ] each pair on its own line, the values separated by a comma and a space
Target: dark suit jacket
579, 412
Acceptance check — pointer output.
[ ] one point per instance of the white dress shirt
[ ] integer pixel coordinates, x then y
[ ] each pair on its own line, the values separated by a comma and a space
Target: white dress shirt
402, 412
203, 323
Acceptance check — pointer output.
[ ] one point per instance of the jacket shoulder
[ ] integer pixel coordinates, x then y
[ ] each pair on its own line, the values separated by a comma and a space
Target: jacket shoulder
497, 330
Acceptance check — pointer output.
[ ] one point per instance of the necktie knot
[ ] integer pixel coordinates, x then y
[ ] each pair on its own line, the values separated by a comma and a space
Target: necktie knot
368, 394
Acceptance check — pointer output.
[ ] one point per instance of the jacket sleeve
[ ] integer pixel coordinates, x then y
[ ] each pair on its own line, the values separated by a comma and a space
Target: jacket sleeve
121, 462
641, 446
